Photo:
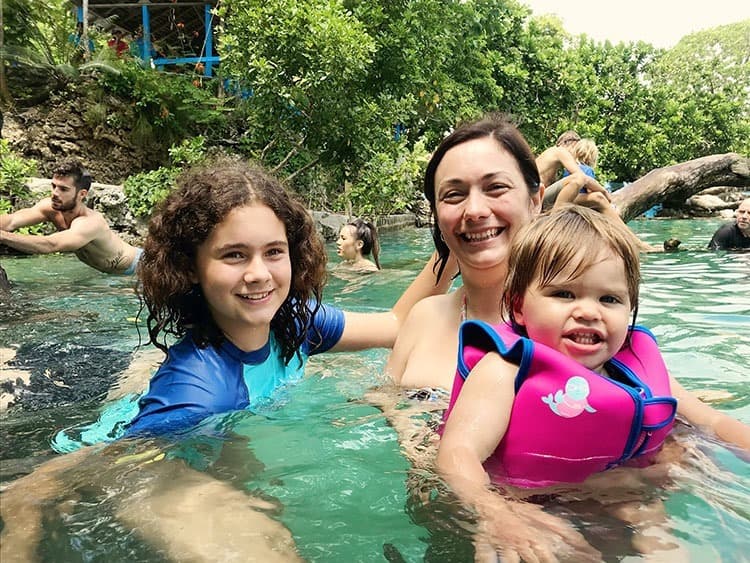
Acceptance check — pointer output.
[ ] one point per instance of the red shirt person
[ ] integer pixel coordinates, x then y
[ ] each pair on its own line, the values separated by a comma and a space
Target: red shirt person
117, 43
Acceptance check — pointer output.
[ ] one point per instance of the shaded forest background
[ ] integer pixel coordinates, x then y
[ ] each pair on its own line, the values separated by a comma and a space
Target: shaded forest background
345, 99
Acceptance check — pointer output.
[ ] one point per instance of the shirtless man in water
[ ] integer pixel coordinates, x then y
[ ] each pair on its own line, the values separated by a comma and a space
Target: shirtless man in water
81, 230
552, 160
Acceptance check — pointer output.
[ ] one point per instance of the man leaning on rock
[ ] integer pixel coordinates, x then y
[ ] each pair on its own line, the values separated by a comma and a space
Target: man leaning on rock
80, 229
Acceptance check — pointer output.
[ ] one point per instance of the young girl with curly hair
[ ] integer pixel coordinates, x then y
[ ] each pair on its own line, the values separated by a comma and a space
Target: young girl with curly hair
233, 270
231, 280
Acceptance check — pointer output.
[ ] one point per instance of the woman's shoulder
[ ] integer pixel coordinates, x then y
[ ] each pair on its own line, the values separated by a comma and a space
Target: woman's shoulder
437, 306
363, 266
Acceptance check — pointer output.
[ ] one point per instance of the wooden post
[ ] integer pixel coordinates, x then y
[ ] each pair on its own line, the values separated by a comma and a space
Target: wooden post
85, 30
208, 40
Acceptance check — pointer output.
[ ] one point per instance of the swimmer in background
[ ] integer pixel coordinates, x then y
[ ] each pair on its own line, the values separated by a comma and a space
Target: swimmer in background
80, 229
558, 158
736, 235
586, 154
358, 240
533, 414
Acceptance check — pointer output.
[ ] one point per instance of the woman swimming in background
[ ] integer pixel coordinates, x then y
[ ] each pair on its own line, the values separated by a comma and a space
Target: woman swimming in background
567, 390
358, 240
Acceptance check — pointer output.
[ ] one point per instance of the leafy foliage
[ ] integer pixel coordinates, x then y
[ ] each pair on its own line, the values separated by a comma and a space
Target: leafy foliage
386, 183
345, 98
167, 107
146, 189
705, 82
14, 171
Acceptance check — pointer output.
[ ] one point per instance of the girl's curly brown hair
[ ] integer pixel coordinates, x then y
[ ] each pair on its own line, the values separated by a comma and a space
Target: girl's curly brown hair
185, 219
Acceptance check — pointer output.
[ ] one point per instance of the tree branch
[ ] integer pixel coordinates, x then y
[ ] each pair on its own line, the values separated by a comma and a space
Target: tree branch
296, 173
680, 181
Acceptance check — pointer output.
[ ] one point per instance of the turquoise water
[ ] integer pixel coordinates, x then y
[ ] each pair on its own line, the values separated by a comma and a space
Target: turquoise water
328, 457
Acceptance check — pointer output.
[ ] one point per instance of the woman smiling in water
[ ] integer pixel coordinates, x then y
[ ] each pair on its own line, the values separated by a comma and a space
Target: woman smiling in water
483, 186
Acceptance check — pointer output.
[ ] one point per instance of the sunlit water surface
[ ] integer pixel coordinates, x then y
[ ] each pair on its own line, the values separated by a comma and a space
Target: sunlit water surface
330, 458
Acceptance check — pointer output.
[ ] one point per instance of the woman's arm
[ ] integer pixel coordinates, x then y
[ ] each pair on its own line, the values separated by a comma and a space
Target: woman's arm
379, 330
700, 414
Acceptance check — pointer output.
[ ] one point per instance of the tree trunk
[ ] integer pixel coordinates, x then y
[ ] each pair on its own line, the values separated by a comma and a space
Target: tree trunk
4, 93
679, 182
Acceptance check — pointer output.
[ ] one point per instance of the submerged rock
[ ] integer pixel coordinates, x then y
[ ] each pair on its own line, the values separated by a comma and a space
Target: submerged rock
48, 375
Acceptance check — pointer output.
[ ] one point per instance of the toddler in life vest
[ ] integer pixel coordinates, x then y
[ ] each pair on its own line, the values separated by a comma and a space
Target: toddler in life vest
566, 389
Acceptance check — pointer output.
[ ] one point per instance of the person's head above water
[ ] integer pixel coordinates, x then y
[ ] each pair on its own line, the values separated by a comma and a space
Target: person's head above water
73, 169
568, 139
586, 152
358, 240
482, 184
71, 183
230, 251
743, 217
574, 276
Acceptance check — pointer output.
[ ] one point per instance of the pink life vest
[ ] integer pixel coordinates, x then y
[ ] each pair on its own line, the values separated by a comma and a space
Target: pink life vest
567, 421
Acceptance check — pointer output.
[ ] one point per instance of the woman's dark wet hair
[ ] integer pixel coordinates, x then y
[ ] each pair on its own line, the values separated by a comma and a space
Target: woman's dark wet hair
500, 128
368, 234
185, 219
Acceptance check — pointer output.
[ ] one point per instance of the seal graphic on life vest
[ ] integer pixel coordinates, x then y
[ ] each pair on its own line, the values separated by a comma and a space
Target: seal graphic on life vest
571, 402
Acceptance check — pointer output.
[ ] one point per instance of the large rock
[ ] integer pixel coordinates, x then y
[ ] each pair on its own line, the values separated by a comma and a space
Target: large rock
73, 126
709, 203
329, 224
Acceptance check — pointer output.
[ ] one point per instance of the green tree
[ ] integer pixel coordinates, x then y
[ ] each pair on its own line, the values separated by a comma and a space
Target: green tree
305, 62
332, 81
706, 80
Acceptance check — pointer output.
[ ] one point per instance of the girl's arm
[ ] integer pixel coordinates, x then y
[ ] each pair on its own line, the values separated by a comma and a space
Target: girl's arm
379, 330
477, 424
700, 414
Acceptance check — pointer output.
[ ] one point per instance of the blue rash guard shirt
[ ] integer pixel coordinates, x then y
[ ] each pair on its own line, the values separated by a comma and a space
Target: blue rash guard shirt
194, 383
585, 168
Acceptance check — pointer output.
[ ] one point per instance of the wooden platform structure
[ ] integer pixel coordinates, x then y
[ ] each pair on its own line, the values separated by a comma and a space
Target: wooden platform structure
184, 28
